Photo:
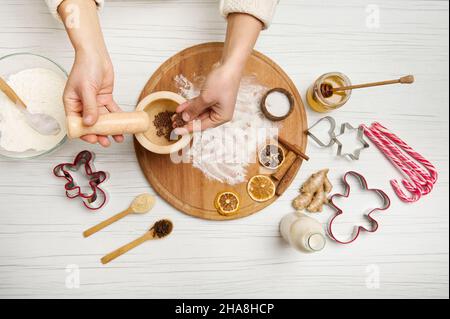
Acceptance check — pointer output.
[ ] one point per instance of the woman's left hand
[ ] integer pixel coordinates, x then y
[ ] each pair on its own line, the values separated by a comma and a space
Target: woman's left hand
216, 102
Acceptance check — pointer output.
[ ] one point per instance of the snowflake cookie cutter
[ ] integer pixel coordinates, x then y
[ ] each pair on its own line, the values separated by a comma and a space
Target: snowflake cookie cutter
359, 229
360, 137
96, 197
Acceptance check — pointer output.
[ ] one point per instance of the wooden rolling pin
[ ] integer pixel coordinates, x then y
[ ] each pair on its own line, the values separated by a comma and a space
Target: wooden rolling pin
110, 124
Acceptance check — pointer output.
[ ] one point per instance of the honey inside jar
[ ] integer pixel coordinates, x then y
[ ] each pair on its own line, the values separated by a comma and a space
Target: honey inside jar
321, 100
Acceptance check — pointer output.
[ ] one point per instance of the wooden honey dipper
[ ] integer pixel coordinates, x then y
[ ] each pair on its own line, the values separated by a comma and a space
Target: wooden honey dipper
328, 90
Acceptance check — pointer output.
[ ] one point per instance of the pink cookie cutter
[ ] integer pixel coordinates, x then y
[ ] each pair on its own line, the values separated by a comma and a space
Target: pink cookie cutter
94, 199
339, 211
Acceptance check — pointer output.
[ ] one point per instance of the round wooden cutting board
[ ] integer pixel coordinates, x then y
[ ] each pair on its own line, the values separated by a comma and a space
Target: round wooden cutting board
182, 185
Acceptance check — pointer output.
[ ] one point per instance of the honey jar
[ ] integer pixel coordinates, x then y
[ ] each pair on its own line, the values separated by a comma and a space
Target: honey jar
321, 99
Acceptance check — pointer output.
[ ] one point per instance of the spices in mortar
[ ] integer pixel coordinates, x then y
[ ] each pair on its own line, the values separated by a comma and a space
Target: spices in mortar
163, 228
178, 121
163, 124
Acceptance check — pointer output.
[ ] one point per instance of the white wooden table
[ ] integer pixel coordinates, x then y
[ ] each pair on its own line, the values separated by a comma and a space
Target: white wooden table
41, 248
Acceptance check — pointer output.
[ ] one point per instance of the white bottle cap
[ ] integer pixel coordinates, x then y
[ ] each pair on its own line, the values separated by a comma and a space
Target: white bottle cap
316, 242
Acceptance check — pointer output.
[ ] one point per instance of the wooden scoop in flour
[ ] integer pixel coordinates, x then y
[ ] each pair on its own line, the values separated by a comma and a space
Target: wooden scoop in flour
42, 123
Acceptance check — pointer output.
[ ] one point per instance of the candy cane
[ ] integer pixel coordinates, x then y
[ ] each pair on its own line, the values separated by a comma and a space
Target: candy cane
420, 177
433, 174
412, 188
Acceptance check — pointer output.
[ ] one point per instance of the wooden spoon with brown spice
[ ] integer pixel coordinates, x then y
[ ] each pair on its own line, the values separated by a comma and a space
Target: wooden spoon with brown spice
160, 229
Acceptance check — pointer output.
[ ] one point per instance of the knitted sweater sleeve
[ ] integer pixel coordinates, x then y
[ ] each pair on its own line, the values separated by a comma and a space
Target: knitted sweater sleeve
54, 4
260, 9
263, 10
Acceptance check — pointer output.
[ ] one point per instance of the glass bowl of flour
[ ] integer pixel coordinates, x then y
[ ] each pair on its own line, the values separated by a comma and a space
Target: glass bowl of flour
40, 83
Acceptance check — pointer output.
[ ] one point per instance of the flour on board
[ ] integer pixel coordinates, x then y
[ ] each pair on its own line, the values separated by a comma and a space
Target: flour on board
225, 152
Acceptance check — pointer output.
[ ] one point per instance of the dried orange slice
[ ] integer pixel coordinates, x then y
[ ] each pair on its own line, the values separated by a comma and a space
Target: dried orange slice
227, 203
271, 156
261, 188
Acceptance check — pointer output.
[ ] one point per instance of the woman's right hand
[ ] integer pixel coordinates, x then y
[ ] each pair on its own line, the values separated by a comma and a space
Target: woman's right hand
89, 92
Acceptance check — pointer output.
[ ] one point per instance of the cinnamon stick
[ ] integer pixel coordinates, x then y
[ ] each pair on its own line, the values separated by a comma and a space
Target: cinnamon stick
284, 183
288, 161
294, 148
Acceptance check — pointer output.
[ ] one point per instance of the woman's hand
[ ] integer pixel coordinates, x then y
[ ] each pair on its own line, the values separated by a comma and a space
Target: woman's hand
90, 86
217, 100
89, 91
215, 105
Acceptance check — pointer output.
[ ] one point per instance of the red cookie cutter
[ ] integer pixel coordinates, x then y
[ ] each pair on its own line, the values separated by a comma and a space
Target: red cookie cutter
96, 197
374, 223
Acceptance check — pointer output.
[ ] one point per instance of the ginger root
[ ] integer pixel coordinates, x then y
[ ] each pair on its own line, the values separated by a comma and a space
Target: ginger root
314, 192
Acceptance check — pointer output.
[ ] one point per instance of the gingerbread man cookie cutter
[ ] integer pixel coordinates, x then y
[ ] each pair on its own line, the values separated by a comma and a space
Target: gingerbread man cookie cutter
96, 197
359, 229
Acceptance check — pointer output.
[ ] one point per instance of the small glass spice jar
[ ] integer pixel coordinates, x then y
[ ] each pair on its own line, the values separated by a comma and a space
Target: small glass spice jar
319, 97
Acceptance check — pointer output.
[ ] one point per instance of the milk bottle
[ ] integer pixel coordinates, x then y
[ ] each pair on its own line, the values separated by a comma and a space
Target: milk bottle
303, 232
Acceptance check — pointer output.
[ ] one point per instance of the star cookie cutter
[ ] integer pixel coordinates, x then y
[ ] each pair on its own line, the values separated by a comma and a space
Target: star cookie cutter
360, 136
96, 197
339, 211
334, 139
331, 131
